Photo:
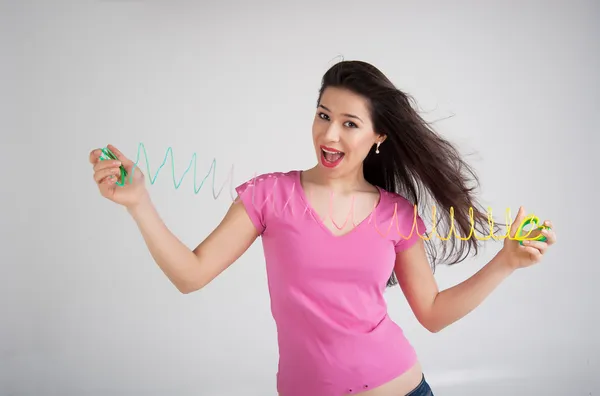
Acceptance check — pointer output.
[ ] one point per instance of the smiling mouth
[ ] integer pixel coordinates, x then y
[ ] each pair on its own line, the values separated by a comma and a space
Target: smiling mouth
331, 158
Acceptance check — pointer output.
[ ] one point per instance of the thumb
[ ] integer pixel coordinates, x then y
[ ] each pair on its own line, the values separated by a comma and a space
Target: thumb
126, 162
517, 222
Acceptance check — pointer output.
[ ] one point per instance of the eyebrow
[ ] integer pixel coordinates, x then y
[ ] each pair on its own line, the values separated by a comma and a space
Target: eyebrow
345, 114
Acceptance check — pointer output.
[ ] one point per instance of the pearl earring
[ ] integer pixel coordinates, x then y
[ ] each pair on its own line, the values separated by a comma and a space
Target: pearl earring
377, 150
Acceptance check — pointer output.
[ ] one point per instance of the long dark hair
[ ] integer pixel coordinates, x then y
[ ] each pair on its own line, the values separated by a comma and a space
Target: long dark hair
416, 162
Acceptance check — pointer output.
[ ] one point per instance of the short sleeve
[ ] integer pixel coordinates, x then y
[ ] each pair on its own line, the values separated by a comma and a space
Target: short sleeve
410, 228
253, 194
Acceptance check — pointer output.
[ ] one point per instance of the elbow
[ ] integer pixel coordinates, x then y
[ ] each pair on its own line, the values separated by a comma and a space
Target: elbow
190, 282
434, 329
188, 287
432, 326
185, 290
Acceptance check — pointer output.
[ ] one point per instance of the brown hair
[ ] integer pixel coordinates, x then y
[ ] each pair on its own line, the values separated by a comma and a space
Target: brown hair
416, 162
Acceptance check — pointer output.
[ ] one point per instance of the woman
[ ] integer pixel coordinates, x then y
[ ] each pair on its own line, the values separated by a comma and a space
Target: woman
337, 234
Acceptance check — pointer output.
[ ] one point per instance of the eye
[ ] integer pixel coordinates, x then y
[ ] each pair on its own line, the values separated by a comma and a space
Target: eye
349, 124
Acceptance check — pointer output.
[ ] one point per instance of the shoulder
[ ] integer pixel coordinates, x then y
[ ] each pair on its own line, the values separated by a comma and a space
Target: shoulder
403, 218
266, 182
260, 193
395, 202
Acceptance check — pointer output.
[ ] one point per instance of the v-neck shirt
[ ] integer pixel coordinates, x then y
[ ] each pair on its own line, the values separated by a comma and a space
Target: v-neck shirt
334, 333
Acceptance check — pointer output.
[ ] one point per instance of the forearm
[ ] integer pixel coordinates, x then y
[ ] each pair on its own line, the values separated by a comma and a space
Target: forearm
456, 302
175, 259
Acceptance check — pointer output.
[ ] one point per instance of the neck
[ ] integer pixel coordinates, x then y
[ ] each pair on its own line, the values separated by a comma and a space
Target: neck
343, 183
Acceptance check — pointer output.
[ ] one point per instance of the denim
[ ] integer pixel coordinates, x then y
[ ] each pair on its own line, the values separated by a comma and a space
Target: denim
422, 389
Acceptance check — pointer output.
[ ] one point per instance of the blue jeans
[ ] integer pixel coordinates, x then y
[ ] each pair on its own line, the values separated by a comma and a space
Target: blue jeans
422, 389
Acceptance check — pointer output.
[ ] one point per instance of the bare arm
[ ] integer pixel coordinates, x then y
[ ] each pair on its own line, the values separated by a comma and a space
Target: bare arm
190, 270
436, 310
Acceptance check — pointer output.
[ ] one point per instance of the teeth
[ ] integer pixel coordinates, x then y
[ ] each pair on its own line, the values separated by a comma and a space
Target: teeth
331, 152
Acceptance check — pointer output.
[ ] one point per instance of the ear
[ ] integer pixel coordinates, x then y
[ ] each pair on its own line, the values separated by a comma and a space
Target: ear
381, 138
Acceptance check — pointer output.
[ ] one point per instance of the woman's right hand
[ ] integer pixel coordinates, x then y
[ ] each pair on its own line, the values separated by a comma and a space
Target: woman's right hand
107, 174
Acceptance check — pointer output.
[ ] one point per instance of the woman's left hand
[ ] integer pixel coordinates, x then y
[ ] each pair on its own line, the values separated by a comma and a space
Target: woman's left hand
521, 256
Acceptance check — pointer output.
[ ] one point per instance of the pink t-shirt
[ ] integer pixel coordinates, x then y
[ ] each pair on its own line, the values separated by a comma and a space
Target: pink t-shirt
334, 333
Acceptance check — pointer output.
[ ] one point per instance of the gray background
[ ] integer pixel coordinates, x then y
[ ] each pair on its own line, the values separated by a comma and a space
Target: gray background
85, 311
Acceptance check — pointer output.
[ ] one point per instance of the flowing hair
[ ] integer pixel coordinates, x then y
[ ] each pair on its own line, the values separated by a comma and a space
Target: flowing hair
416, 162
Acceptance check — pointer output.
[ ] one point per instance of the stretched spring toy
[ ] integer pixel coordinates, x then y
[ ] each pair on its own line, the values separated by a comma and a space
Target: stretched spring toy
109, 155
530, 220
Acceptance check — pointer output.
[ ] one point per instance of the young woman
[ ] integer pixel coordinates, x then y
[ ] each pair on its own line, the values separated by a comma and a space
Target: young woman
335, 235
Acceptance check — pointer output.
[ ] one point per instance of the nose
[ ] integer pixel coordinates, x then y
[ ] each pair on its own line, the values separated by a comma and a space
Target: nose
333, 132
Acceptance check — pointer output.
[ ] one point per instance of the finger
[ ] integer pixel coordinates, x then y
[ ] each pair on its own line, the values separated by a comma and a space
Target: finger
128, 164
107, 182
517, 222
539, 245
534, 254
550, 236
120, 156
531, 234
100, 175
95, 155
107, 185
550, 232
103, 164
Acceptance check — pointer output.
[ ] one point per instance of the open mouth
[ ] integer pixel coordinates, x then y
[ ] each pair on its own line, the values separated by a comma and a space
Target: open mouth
331, 158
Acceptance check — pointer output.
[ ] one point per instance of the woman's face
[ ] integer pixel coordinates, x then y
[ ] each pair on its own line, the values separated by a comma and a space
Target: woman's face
342, 131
